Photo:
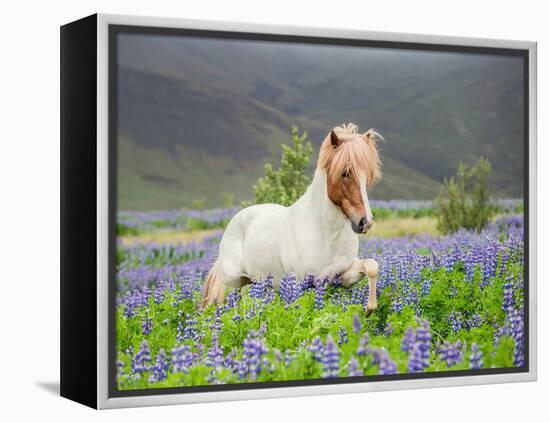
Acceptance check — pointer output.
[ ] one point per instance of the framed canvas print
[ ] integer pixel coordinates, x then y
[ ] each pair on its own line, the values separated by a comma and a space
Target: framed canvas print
253, 211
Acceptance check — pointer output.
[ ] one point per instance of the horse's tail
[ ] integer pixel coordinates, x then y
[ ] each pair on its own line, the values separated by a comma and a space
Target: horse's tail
214, 289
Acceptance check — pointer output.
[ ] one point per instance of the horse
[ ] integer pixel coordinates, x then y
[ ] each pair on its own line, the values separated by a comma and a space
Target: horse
317, 235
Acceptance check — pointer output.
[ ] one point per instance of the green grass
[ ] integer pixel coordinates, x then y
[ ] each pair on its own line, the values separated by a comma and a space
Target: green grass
291, 328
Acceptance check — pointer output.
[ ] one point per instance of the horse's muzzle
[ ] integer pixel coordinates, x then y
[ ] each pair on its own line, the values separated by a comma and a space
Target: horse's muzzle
362, 227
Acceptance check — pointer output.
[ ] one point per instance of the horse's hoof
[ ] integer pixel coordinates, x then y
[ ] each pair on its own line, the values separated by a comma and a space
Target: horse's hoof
371, 308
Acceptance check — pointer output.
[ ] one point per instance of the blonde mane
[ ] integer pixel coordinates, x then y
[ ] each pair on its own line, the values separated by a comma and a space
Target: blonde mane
356, 153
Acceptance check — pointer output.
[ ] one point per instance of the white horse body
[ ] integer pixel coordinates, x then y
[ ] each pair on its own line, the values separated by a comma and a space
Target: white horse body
316, 235
312, 236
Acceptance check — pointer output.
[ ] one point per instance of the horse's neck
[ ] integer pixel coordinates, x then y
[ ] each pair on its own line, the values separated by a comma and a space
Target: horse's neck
317, 206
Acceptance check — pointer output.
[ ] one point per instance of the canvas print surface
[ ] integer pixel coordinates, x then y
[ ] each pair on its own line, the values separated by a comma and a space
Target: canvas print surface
311, 212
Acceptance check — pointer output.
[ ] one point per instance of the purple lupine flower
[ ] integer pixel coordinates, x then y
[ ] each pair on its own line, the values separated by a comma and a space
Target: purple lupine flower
516, 329
120, 373
289, 358
426, 287
363, 348
504, 330
397, 304
419, 349
251, 312
307, 283
358, 295
316, 348
191, 332
455, 319
476, 360
451, 354
508, 300
357, 325
180, 328
337, 281
186, 290
230, 362
342, 335
473, 322
160, 368
183, 359
214, 354
254, 348
424, 339
263, 290
146, 324
338, 298
353, 367
381, 358
453, 291
142, 361
146, 295
320, 289
218, 323
233, 299
415, 359
289, 289
330, 359
408, 340
158, 296
135, 299
388, 329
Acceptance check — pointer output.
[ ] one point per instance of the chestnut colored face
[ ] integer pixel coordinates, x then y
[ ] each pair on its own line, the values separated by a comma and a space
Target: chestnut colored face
348, 190
346, 194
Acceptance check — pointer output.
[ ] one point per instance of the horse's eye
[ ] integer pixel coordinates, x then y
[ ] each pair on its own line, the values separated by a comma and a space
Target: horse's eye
345, 174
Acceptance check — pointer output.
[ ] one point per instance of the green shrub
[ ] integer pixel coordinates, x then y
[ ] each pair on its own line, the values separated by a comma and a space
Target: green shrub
198, 204
228, 200
464, 200
285, 185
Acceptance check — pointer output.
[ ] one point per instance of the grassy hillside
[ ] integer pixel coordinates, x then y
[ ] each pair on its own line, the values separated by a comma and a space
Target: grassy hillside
200, 117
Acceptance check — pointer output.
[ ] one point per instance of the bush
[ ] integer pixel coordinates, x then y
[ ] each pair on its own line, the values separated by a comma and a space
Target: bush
199, 204
464, 200
228, 200
285, 185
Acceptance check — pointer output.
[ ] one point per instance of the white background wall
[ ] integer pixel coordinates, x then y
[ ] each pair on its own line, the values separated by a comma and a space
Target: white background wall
29, 170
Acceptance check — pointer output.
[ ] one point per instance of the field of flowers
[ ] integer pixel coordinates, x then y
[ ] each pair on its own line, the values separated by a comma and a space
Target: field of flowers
135, 222
445, 303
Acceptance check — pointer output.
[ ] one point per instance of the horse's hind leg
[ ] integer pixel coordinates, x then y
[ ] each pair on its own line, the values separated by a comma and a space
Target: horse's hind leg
214, 288
357, 271
217, 284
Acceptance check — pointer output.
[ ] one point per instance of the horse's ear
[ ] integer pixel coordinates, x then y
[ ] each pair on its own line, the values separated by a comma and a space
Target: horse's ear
372, 136
369, 136
334, 139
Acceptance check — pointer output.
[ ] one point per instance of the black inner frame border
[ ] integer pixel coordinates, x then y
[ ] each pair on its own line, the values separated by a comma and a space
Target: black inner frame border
115, 30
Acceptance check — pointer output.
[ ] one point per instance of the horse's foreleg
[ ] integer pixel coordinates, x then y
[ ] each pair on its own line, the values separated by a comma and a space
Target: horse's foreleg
353, 274
357, 271
371, 269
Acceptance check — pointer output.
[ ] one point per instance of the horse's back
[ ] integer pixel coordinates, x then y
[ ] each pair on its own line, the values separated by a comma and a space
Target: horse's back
251, 242
257, 215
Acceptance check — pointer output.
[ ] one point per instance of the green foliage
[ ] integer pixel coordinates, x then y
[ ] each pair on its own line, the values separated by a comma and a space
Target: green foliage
198, 224
291, 328
286, 184
386, 213
464, 200
198, 204
228, 199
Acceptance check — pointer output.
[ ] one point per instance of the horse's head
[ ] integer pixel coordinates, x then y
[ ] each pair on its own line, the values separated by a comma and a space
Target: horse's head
352, 165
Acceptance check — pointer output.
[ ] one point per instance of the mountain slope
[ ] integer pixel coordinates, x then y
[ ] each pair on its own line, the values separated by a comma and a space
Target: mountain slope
200, 117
